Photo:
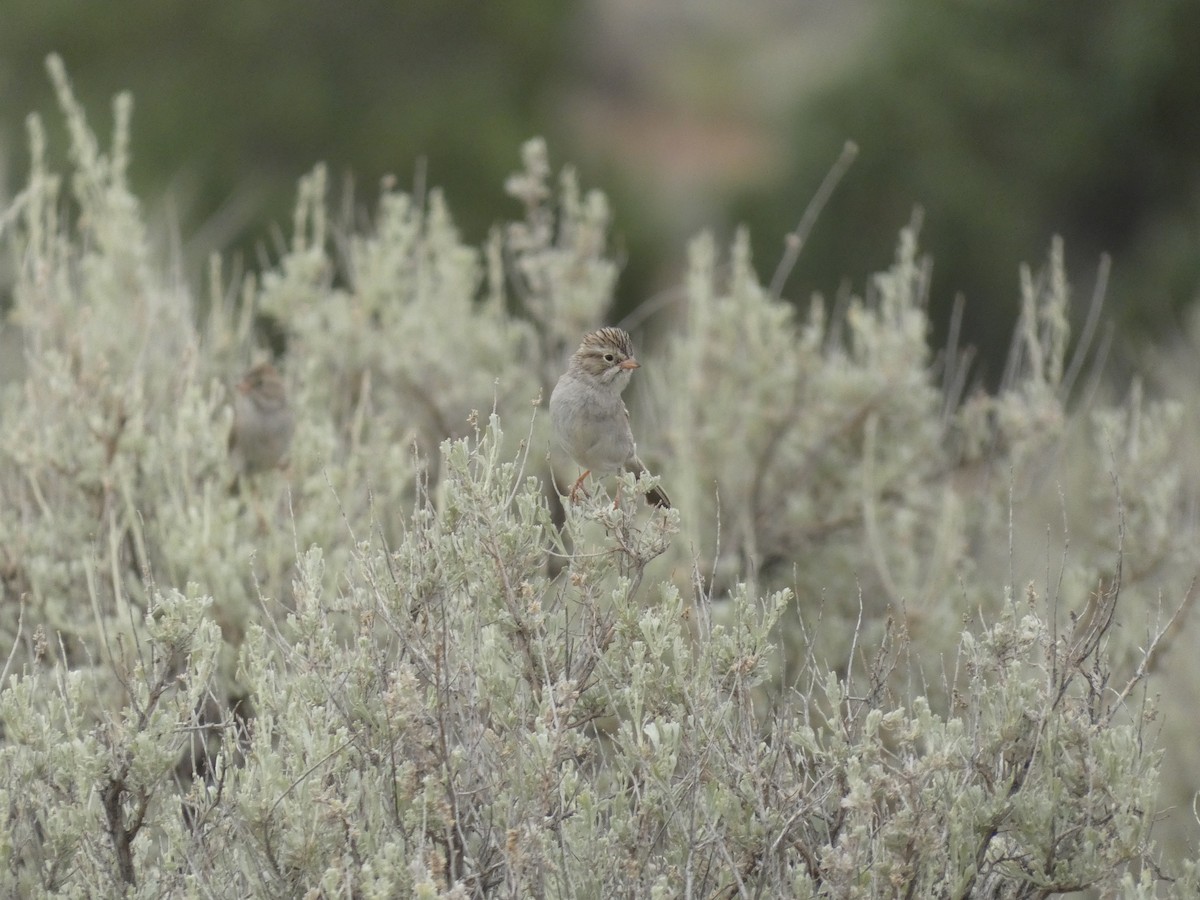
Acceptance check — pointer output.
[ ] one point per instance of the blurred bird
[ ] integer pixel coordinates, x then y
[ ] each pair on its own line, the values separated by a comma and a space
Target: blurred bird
263, 422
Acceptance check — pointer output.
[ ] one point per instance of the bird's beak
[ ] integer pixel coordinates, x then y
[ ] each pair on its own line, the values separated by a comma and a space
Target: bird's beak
630, 364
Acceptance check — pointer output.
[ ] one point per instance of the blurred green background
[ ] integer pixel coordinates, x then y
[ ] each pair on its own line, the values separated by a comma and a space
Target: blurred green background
1005, 121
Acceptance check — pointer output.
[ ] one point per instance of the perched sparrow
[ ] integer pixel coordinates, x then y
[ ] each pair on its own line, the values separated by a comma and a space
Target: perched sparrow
262, 421
588, 415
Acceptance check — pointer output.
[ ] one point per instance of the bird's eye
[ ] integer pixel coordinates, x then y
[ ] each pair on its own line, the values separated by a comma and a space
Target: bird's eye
608, 357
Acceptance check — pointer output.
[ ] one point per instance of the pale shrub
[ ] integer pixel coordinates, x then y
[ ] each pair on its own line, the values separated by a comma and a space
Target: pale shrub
851, 661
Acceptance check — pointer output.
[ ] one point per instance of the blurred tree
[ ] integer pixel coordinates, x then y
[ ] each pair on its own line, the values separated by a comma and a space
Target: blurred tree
1009, 121
235, 101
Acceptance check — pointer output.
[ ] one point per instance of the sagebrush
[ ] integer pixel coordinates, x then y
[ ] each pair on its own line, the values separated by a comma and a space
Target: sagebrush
899, 637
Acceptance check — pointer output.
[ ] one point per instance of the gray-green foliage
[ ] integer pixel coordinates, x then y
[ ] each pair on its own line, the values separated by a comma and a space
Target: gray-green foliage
843, 665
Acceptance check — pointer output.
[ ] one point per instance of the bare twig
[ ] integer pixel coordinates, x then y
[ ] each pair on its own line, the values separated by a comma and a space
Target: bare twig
794, 243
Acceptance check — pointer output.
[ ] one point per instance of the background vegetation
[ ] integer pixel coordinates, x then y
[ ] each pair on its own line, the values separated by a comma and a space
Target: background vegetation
897, 636
1007, 121
1010, 122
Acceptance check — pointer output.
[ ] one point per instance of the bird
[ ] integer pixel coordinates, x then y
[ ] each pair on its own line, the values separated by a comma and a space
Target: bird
263, 421
589, 417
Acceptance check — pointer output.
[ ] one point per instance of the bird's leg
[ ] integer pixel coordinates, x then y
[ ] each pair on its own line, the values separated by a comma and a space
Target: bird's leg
578, 485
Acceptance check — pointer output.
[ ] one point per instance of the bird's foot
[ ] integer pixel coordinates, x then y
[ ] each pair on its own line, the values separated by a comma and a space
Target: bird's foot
578, 487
